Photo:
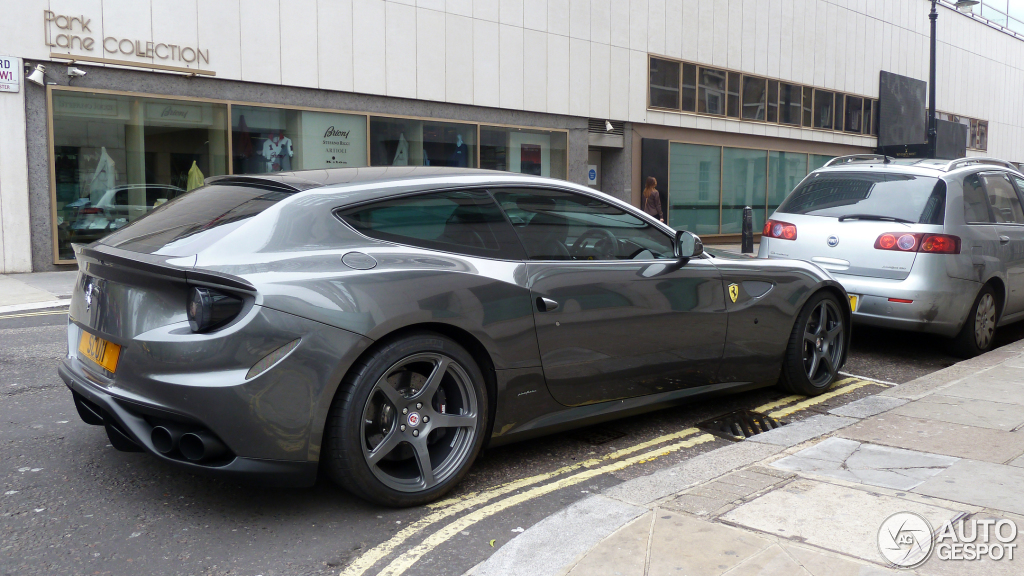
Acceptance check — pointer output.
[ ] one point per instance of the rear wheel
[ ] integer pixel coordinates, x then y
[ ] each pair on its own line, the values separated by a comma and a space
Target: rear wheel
408, 421
978, 332
816, 347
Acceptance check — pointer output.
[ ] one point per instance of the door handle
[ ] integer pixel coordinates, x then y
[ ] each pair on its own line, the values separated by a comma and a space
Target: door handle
546, 304
1004, 239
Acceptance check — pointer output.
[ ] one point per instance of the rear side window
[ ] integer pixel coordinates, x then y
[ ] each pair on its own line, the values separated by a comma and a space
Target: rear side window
192, 221
1002, 198
920, 199
975, 206
464, 222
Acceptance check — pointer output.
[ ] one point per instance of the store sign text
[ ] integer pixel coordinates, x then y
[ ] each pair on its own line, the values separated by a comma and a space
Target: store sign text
74, 33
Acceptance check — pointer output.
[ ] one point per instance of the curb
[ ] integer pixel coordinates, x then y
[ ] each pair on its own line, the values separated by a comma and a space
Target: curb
34, 306
531, 553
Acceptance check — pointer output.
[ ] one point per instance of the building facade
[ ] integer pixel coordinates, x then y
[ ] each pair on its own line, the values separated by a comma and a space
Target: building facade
739, 98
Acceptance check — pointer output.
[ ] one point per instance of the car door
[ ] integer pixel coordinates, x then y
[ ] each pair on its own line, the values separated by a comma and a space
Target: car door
617, 315
1006, 207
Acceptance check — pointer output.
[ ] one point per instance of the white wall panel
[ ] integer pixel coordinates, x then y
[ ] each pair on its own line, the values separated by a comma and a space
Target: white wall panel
261, 41
219, 33
691, 29
579, 77
601, 21
486, 47
600, 80
487, 10
656, 26
721, 33
618, 80
429, 56
511, 67
579, 19
459, 7
637, 86
535, 71
458, 59
298, 41
748, 34
706, 26
638, 25
400, 50
786, 39
673, 28
511, 12
774, 36
734, 48
535, 15
558, 74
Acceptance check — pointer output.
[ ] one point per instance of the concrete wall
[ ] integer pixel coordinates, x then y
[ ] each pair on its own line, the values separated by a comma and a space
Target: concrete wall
573, 57
177, 85
15, 248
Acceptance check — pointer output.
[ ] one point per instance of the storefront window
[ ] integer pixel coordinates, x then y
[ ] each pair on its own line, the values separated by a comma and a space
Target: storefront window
116, 158
536, 152
785, 171
817, 161
408, 142
743, 184
693, 190
276, 140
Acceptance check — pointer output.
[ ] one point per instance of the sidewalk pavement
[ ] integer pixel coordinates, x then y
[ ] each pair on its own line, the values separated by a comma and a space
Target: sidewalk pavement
809, 498
35, 290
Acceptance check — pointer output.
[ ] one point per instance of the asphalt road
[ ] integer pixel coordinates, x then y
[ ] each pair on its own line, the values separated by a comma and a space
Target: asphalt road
71, 504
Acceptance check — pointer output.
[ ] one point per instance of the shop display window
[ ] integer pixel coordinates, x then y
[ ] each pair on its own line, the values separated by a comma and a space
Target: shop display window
409, 142
785, 171
536, 152
743, 184
693, 187
278, 140
118, 157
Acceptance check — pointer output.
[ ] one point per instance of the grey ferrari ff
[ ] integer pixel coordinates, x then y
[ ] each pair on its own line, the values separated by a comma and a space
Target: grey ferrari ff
385, 324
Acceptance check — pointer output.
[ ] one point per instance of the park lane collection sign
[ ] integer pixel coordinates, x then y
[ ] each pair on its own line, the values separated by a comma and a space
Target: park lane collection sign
81, 34
10, 74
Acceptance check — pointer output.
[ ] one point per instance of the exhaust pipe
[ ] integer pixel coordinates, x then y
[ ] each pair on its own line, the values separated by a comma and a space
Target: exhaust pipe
199, 446
165, 438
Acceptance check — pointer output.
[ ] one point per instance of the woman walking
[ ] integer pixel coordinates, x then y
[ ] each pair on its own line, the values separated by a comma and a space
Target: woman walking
650, 200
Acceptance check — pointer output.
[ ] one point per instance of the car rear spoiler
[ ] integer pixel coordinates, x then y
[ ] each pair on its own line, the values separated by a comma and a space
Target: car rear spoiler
91, 259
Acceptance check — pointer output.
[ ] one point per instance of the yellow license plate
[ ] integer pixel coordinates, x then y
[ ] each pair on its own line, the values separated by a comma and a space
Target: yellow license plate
853, 302
99, 351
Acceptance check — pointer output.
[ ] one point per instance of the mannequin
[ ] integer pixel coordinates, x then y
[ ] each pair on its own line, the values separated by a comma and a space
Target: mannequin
402, 153
460, 157
271, 152
285, 158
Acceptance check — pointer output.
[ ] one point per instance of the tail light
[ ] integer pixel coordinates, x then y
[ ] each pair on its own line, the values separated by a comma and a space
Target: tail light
781, 230
89, 211
209, 308
918, 242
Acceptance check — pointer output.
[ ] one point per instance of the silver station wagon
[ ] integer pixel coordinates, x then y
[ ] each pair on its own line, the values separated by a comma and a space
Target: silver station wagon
934, 246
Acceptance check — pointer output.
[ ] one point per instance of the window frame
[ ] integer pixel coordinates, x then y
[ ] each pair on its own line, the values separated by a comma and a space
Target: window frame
982, 177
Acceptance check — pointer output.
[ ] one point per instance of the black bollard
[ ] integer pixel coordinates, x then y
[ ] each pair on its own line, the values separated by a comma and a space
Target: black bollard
748, 231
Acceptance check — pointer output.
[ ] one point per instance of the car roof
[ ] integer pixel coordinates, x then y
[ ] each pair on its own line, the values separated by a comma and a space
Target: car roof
306, 179
920, 167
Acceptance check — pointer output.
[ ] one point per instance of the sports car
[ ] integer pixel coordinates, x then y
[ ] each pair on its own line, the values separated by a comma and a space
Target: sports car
385, 324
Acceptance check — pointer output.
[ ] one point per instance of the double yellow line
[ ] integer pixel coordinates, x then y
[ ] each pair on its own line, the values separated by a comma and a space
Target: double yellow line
27, 314
536, 486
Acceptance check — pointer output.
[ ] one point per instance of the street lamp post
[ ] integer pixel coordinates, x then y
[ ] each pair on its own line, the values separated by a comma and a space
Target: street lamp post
932, 124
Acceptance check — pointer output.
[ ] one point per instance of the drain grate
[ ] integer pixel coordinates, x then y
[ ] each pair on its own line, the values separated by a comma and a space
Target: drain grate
739, 425
596, 435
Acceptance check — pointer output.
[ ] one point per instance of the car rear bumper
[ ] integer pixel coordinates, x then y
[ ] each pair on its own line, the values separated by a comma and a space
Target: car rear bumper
939, 304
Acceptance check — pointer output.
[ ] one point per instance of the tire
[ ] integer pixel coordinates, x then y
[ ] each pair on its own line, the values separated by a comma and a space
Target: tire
379, 453
978, 332
816, 348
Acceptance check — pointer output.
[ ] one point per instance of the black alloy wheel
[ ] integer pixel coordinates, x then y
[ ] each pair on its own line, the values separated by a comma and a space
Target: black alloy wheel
816, 347
407, 422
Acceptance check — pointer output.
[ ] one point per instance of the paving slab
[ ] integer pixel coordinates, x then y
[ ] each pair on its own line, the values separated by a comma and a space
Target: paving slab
802, 430
868, 406
772, 561
1018, 461
936, 566
819, 563
60, 284
696, 470
624, 553
681, 544
937, 437
970, 411
833, 517
1002, 388
576, 529
995, 486
870, 464
15, 292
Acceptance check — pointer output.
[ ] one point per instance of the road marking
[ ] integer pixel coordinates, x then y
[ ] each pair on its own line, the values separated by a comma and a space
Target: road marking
819, 399
790, 399
455, 505
26, 314
886, 382
409, 557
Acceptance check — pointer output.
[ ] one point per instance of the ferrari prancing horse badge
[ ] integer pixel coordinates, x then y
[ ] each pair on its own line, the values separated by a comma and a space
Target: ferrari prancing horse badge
734, 292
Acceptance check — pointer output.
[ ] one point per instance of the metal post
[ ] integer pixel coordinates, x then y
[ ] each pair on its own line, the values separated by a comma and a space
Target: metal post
932, 127
748, 231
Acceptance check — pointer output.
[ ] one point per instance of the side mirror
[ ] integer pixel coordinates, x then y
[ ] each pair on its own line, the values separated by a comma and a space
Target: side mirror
688, 245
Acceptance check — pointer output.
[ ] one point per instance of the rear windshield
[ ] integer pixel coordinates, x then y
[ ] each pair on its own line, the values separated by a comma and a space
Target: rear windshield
920, 199
193, 221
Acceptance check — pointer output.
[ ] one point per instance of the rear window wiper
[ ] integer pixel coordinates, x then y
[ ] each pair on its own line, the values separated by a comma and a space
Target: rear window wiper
875, 217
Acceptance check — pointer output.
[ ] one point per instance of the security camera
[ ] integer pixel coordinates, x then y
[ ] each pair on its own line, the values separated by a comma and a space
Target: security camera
76, 72
608, 126
38, 76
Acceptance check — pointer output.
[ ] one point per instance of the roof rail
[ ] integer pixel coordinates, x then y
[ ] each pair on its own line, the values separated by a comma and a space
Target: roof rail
961, 162
860, 158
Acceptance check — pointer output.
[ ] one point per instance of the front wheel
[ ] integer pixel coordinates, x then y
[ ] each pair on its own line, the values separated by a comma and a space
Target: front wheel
816, 347
978, 332
407, 422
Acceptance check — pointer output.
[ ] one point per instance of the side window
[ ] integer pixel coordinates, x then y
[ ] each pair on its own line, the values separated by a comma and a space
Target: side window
555, 225
464, 222
1002, 198
975, 205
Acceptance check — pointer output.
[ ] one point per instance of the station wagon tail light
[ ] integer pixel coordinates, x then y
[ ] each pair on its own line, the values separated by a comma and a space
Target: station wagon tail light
781, 230
918, 242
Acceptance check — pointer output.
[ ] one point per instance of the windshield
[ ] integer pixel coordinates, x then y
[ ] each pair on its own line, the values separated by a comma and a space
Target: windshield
190, 222
919, 199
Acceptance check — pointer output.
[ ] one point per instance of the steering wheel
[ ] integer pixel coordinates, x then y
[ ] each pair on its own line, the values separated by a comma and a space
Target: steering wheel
606, 247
